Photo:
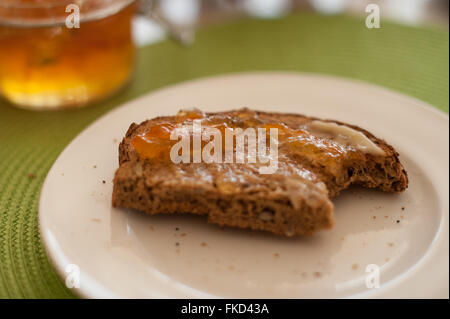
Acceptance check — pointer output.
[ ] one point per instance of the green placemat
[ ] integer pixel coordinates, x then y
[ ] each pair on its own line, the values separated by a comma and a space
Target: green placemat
410, 60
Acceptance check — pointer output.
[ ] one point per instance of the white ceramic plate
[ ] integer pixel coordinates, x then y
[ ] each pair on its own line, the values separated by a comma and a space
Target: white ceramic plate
121, 253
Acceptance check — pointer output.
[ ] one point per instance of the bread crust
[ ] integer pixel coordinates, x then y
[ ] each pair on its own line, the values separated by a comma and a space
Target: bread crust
257, 202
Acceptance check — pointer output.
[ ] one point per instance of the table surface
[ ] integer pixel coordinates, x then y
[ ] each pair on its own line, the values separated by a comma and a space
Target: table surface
413, 61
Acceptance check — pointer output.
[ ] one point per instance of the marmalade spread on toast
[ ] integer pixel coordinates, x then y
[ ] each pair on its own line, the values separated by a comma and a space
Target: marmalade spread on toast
325, 142
315, 160
308, 152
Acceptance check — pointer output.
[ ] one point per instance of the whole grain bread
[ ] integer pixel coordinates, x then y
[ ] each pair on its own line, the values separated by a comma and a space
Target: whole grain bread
296, 200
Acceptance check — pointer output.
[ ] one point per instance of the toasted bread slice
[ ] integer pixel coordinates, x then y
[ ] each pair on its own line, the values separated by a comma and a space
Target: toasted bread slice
316, 161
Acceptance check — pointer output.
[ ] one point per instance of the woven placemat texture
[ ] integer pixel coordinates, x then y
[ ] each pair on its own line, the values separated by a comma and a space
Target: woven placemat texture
409, 60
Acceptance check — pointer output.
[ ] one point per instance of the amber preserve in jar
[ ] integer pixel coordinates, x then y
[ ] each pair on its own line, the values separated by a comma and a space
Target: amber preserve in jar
64, 53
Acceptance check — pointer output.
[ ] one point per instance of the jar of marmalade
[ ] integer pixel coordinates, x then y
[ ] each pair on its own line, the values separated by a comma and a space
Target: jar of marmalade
64, 53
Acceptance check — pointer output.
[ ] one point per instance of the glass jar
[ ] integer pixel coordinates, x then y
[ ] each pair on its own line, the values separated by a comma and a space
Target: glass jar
50, 61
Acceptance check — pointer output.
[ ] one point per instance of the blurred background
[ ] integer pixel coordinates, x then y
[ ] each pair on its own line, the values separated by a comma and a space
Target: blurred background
184, 15
57, 54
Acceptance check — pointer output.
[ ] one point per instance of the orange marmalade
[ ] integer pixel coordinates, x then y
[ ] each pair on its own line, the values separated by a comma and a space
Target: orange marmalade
46, 65
313, 140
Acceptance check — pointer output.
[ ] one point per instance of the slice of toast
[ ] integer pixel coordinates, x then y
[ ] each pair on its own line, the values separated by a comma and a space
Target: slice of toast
316, 160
